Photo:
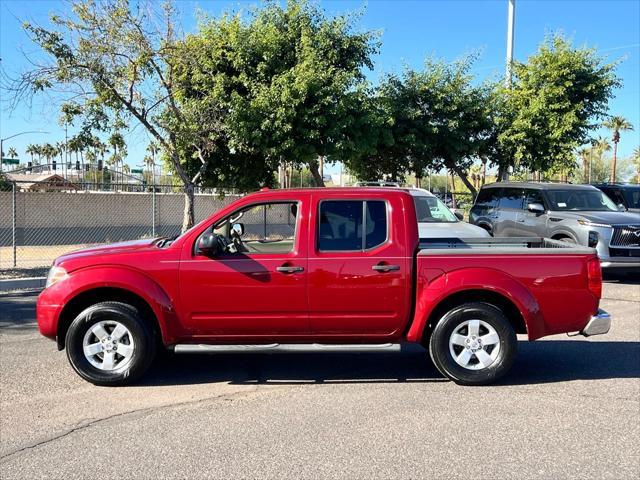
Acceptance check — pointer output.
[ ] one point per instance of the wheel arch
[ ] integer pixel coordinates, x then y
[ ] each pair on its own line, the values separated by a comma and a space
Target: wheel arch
88, 286
86, 298
511, 311
561, 234
485, 285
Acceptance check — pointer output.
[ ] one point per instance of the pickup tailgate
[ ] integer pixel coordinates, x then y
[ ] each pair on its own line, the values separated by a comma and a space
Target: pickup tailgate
555, 286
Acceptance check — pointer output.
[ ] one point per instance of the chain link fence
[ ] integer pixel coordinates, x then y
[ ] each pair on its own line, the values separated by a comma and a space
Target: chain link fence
41, 221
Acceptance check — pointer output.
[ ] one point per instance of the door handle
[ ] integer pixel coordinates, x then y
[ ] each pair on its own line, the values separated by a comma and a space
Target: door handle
289, 269
385, 268
521, 220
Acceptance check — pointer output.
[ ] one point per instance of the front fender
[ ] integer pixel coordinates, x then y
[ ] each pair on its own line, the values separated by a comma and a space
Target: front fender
52, 300
431, 292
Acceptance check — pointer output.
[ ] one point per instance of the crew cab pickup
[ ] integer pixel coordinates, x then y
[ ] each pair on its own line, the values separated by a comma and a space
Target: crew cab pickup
317, 268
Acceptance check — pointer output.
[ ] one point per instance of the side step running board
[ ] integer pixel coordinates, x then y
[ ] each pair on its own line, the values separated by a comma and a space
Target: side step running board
286, 347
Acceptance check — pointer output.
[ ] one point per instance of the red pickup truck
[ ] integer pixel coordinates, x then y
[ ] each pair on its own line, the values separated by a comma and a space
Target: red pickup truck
317, 268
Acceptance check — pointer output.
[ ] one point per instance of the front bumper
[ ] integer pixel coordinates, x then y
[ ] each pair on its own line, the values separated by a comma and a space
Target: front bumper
598, 325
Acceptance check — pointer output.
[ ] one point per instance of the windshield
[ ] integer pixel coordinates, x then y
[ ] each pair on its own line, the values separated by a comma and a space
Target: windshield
580, 201
432, 210
633, 197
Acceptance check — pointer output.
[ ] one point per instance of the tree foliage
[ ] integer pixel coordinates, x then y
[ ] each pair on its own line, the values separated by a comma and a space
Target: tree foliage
287, 77
112, 60
427, 119
556, 99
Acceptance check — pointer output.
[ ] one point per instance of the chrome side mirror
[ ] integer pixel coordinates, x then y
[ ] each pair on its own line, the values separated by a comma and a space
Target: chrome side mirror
622, 208
535, 208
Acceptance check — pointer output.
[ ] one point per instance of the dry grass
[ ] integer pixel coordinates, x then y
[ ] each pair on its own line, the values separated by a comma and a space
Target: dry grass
31, 258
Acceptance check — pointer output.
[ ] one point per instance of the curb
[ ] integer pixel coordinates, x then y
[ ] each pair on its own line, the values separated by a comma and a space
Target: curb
22, 284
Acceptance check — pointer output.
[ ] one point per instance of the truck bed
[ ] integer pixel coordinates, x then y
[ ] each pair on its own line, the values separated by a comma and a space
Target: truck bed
512, 245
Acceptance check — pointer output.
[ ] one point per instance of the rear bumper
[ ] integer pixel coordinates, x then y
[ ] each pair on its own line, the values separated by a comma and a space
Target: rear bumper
598, 325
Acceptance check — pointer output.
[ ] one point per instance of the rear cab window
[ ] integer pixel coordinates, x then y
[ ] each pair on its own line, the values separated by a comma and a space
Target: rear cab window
351, 225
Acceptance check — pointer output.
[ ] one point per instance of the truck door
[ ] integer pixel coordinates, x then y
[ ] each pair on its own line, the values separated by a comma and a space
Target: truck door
258, 287
359, 269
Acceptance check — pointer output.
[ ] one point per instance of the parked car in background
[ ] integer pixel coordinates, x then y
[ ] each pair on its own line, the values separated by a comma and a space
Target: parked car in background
579, 214
318, 269
436, 220
623, 194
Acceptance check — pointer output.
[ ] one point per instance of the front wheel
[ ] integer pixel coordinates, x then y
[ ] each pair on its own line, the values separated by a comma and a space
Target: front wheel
473, 344
110, 344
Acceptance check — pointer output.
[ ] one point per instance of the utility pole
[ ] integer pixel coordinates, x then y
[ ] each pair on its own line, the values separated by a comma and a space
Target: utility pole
511, 18
11, 136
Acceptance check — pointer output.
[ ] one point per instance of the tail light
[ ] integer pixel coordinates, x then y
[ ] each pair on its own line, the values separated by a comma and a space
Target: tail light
594, 275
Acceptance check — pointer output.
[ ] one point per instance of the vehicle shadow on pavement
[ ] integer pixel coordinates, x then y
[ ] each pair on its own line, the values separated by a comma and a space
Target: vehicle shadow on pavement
538, 362
15, 308
625, 278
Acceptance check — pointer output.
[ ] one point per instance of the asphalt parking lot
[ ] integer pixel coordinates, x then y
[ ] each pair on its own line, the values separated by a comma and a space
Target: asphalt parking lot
570, 408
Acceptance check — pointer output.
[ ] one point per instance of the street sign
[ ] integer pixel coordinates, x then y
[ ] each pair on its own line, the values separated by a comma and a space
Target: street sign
11, 161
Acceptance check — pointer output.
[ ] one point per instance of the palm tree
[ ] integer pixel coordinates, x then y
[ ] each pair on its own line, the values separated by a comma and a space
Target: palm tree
61, 150
48, 152
12, 153
616, 124
585, 155
31, 150
40, 152
635, 156
601, 145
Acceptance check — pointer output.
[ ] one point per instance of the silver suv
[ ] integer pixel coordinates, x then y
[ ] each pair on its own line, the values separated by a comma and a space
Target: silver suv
574, 213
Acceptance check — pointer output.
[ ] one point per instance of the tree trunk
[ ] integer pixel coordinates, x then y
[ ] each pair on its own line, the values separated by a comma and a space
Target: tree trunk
484, 171
418, 182
613, 163
315, 172
466, 181
453, 190
188, 218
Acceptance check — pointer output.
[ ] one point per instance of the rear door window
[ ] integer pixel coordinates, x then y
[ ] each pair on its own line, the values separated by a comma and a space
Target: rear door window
351, 225
487, 198
511, 198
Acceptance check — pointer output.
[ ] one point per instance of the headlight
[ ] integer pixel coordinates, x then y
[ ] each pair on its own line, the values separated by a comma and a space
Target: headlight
55, 275
587, 223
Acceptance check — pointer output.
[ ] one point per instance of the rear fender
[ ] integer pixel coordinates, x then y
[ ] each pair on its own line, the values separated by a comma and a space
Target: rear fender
431, 293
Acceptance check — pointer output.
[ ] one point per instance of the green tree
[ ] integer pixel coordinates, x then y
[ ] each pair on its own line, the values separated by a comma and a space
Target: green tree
635, 158
430, 119
31, 150
616, 124
554, 102
114, 59
12, 153
284, 81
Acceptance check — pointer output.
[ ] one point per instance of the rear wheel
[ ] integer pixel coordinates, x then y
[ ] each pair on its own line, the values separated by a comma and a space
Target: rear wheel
473, 344
109, 343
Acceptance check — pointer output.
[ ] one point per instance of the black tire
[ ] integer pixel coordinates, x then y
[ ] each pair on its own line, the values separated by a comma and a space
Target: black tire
440, 351
141, 333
